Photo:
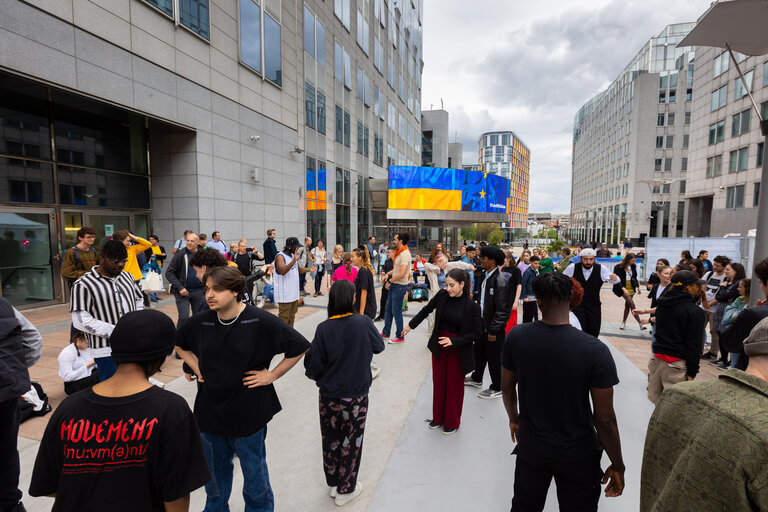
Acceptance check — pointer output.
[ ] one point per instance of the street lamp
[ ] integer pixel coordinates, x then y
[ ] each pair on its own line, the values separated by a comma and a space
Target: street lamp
740, 25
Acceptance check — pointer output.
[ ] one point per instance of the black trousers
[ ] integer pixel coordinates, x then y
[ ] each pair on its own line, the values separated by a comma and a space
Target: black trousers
489, 352
577, 482
10, 494
530, 311
383, 301
590, 317
84, 383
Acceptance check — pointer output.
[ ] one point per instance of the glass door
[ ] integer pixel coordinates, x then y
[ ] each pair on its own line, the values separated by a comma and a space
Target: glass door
106, 225
26, 270
72, 221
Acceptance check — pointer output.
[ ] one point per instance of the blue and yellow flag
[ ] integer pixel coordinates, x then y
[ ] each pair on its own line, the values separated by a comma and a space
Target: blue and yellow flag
436, 188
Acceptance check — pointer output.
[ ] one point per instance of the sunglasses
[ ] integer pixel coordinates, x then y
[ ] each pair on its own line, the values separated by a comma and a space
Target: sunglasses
119, 261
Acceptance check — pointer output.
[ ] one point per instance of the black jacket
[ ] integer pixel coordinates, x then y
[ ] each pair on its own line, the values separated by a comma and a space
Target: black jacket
14, 376
471, 328
622, 275
679, 328
270, 250
176, 273
497, 306
732, 339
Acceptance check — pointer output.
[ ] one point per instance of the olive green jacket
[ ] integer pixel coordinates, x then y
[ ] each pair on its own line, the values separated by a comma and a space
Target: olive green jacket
707, 447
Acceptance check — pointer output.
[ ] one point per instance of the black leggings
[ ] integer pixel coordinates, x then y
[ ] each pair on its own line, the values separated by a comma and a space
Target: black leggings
629, 306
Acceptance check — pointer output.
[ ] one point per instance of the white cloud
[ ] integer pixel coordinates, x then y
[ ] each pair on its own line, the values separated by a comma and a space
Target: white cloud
529, 66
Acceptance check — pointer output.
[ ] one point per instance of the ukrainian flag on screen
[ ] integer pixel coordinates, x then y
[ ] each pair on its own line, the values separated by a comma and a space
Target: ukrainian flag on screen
425, 188
435, 188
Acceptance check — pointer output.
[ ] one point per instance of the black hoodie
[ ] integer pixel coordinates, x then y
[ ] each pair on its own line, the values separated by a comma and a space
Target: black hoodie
679, 328
14, 377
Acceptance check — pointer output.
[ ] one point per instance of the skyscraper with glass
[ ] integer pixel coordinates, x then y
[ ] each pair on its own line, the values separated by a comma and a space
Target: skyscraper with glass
503, 153
630, 147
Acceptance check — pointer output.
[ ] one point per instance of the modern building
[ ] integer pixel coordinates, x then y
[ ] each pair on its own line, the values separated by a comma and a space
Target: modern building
505, 154
455, 155
434, 138
726, 154
228, 115
630, 161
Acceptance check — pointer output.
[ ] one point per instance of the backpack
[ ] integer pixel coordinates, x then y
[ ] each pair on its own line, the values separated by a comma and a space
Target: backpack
417, 292
33, 403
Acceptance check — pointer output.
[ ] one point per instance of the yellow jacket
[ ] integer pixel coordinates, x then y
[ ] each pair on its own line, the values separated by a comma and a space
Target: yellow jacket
132, 265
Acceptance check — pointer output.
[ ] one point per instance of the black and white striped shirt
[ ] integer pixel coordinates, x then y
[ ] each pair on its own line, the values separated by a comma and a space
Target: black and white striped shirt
106, 300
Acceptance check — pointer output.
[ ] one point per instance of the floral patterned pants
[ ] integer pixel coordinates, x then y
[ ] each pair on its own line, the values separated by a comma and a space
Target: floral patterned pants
342, 426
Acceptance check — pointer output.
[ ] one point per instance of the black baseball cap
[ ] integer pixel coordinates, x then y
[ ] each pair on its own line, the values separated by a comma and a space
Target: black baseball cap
143, 335
292, 243
685, 278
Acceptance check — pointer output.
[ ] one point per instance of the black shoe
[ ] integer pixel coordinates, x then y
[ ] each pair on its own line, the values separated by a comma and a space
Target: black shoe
449, 431
432, 425
378, 319
708, 356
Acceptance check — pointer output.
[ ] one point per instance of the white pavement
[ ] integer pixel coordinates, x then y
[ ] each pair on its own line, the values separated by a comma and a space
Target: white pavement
405, 466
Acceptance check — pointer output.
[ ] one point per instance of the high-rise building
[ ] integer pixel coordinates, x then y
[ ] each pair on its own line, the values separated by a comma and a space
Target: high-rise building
630, 147
726, 154
229, 115
505, 154
434, 138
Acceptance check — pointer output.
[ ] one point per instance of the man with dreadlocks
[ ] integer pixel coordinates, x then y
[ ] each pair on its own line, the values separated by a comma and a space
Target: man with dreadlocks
99, 298
555, 369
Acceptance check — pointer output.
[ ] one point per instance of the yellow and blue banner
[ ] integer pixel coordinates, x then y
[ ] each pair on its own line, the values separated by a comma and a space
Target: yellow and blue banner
316, 191
436, 188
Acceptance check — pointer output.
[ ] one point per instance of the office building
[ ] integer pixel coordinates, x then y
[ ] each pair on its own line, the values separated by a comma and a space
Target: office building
505, 154
726, 154
160, 115
630, 161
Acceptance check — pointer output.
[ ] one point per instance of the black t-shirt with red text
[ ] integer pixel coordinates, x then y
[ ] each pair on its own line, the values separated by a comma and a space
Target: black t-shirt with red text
119, 453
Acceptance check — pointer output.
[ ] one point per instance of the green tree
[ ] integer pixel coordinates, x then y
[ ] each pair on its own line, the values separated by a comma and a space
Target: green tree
468, 233
484, 230
495, 237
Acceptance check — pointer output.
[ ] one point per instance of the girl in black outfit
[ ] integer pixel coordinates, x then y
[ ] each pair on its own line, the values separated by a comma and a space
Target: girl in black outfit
727, 293
627, 287
365, 295
389, 264
458, 324
653, 279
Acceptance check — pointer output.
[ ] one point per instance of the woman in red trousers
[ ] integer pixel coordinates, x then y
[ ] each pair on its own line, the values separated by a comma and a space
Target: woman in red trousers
515, 278
458, 324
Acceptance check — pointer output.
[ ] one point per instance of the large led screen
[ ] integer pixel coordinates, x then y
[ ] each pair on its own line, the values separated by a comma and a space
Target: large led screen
436, 188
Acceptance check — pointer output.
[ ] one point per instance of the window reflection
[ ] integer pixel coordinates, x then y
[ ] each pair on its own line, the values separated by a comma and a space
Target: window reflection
250, 34
86, 187
273, 61
25, 181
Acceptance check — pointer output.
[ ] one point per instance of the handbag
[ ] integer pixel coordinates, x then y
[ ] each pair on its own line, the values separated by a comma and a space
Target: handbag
152, 283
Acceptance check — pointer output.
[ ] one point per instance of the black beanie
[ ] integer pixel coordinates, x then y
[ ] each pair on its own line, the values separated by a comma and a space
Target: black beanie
142, 335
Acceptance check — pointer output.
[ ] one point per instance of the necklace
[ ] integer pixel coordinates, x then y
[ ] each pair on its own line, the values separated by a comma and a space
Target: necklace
222, 322
340, 316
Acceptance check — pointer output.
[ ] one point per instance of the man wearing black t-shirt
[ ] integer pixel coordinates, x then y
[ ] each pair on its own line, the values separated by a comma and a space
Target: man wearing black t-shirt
230, 349
556, 368
124, 444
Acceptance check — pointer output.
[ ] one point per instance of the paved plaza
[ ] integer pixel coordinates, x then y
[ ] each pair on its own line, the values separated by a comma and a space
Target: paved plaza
405, 466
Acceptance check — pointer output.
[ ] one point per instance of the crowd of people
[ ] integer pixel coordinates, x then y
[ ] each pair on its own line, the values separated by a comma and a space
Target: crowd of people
555, 377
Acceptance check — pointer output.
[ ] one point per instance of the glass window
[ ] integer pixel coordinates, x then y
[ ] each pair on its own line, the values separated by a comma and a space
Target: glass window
309, 106
27, 182
347, 129
738, 159
376, 101
85, 187
672, 95
663, 82
321, 113
339, 125
366, 90
24, 129
765, 74
756, 195
686, 140
164, 5
687, 118
309, 32
273, 60
739, 91
341, 10
338, 62
720, 64
660, 120
366, 140
250, 34
663, 97
657, 164
347, 71
682, 186
735, 197
667, 164
320, 43
670, 141
672, 80
759, 159
689, 95
671, 119
714, 166
659, 141
194, 16
719, 98
716, 132
360, 137
740, 123
360, 84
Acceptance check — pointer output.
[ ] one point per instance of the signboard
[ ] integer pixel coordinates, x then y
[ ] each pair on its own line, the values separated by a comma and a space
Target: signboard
109, 229
437, 188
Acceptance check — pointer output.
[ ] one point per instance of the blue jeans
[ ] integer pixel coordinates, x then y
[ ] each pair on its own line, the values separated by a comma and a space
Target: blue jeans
106, 366
219, 453
394, 309
269, 293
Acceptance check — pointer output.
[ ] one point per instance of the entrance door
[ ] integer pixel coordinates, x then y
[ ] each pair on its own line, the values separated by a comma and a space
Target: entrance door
26, 270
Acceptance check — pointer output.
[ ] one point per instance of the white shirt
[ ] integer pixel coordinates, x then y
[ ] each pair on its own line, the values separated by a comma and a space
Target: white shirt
605, 274
574, 321
73, 367
320, 255
287, 286
218, 245
482, 289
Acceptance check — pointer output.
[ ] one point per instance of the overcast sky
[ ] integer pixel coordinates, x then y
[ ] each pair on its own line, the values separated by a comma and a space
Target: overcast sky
529, 65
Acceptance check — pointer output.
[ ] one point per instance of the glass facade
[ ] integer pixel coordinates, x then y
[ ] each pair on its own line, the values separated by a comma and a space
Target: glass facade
503, 153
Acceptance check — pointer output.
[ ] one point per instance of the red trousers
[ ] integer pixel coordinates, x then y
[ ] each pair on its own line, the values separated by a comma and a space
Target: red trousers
448, 384
512, 321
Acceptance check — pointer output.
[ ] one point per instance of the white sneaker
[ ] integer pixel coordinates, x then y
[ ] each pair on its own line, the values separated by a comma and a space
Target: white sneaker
343, 499
623, 326
334, 492
260, 304
156, 382
375, 370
